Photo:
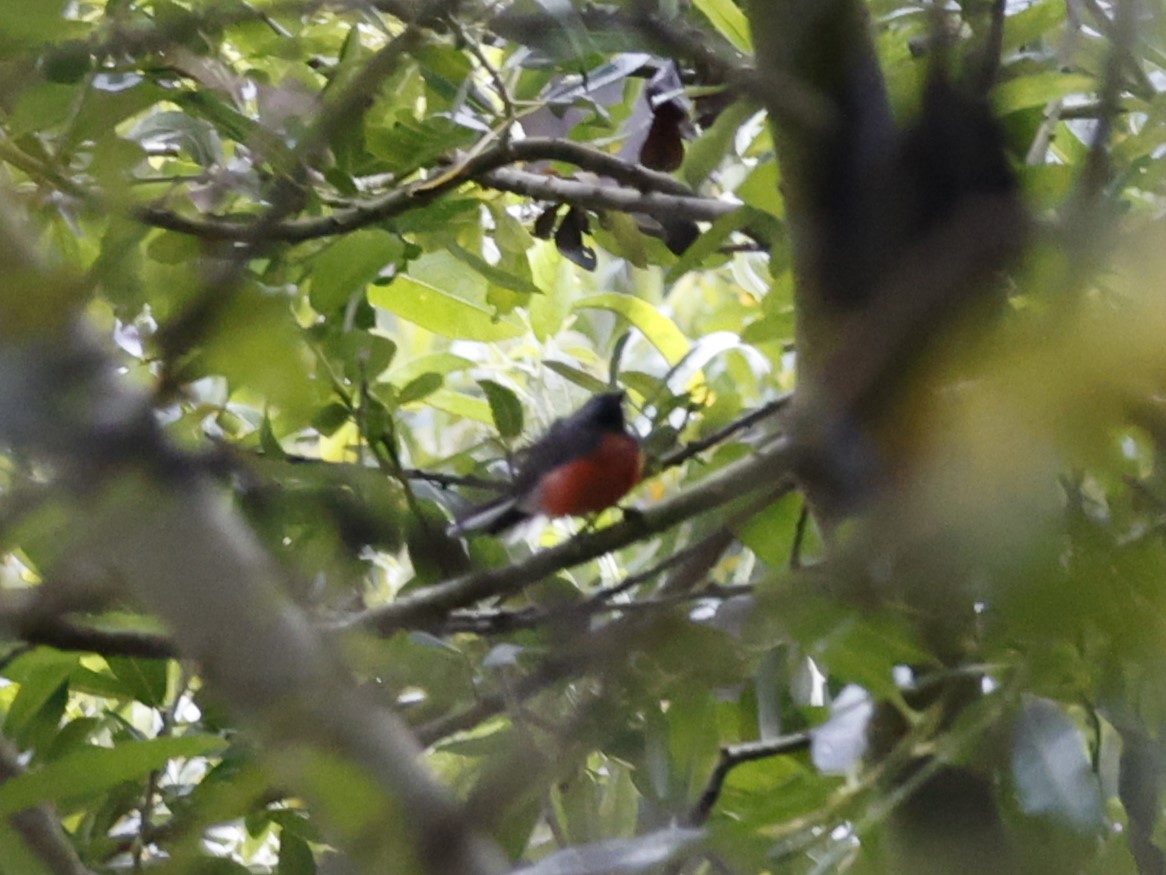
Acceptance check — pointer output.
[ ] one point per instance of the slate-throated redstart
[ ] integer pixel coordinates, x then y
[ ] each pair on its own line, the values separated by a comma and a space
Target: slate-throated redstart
584, 463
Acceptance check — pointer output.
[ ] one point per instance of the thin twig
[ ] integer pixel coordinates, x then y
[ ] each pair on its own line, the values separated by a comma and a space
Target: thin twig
695, 448
735, 755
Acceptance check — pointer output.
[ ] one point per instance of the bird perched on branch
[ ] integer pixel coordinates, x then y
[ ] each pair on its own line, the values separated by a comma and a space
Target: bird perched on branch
585, 463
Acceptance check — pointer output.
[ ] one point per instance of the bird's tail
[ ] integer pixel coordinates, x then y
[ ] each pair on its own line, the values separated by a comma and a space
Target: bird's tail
489, 518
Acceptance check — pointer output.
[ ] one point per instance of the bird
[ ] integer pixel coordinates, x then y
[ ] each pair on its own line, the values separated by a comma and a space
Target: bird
585, 463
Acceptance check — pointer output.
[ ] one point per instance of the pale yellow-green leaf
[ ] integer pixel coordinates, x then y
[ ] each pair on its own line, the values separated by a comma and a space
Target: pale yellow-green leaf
1037, 90
462, 406
658, 329
441, 312
728, 18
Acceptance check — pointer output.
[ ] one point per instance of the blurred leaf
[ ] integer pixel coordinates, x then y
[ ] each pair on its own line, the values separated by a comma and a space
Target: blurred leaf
295, 857
405, 142
440, 312
505, 408
146, 679
728, 18
95, 769
1039, 89
494, 274
762, 191
421, 387
43, 677
578, 377
1033, 21
30, 23
710, 148
349, 265
616, 856
659, 330
1052, 773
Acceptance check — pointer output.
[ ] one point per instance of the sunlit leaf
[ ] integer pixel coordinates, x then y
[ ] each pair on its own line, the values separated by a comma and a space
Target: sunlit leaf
659, 330
440, 312
728, 18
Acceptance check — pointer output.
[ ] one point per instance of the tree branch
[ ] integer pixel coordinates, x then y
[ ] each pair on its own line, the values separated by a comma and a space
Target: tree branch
734, 755
39, 827
768, 469
477, 168
598, 196
164, 531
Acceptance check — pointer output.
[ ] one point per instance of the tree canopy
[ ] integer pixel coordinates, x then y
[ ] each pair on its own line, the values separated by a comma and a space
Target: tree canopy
287, 286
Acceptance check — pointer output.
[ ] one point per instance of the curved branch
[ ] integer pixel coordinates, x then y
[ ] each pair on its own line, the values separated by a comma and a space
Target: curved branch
65, 634
39, 827
478, 168
734, 755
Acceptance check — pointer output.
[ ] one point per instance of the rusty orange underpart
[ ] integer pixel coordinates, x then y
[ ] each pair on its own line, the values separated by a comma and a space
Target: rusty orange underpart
592, 483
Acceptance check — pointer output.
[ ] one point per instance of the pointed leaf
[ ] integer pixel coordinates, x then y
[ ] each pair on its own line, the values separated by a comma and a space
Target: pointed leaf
659, 330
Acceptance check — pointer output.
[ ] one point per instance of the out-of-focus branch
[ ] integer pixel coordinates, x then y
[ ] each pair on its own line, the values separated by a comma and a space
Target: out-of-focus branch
166, 534
64, 633
39, 827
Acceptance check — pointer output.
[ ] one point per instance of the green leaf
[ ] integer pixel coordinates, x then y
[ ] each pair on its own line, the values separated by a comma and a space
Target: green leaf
443, 363
146, 679
349, 265
505, 408
41, 676
1038, 89
96, 769
496, 275
462, 406
406, 142
419, 388
578, 377
29, 23
770, 533
329, 418
659, 330
708, 244
728, 18
441, 312
1032, 22
760, 190
295, 857
704, 155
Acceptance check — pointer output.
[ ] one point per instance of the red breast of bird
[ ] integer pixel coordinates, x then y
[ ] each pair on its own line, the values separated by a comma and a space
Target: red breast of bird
586, 462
